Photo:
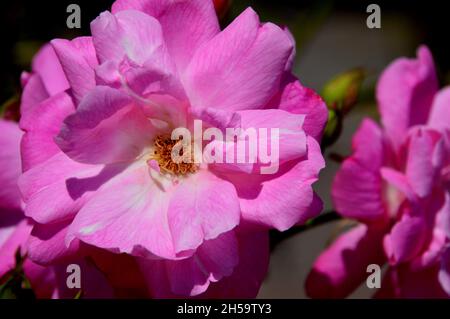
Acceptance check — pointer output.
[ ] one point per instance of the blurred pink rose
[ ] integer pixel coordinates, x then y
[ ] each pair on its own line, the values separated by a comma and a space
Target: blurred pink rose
14, 228
396, 183
93, 112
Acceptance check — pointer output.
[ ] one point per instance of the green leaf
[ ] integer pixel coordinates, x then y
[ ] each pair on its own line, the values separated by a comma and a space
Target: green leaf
79, 294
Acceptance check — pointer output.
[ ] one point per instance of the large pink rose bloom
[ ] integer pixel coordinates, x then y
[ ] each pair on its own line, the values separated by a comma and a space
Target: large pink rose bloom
396, 184
93, 176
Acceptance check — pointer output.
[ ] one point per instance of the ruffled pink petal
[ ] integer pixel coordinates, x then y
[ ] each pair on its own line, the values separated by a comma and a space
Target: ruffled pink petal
314, 209
405, 93
255, 56
440, 112
357, 187
106, 128
185, 24
153, 77
41, 124
270, 131
437, 212
292, 139
130, 34
46, 244
131, 48
398, 181
46, 64
298, 99
56, 189
47, 79
33, 93
218, 118
165, 108
202, 207
10, 165
341, 268
421, 171
128, 215
247, 276
78, 60
406, 239
259, 194
212, 261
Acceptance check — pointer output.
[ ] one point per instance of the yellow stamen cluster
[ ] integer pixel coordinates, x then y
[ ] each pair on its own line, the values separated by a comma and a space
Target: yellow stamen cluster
163, 155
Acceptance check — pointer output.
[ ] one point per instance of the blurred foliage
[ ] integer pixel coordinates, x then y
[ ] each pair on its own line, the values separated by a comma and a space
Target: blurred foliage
14, 284
276, 237
24, 52
10, 110
79, 294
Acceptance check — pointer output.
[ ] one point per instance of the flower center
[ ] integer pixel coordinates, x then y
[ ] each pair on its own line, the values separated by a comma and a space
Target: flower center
162, 153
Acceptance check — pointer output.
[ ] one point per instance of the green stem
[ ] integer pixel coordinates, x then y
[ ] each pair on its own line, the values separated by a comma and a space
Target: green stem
276, 237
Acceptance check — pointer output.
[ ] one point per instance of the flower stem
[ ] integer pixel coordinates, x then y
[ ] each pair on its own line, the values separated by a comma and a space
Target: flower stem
276, 237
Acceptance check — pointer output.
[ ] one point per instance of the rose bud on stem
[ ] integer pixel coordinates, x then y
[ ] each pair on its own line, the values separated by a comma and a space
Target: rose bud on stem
341, 95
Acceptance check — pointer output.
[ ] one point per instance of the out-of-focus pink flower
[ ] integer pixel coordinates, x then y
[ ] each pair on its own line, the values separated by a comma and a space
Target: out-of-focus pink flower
92, 127
14, 228
396, 183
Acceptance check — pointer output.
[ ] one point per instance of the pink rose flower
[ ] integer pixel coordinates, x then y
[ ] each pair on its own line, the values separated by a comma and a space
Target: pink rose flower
396, 184
45, 247
97, 112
